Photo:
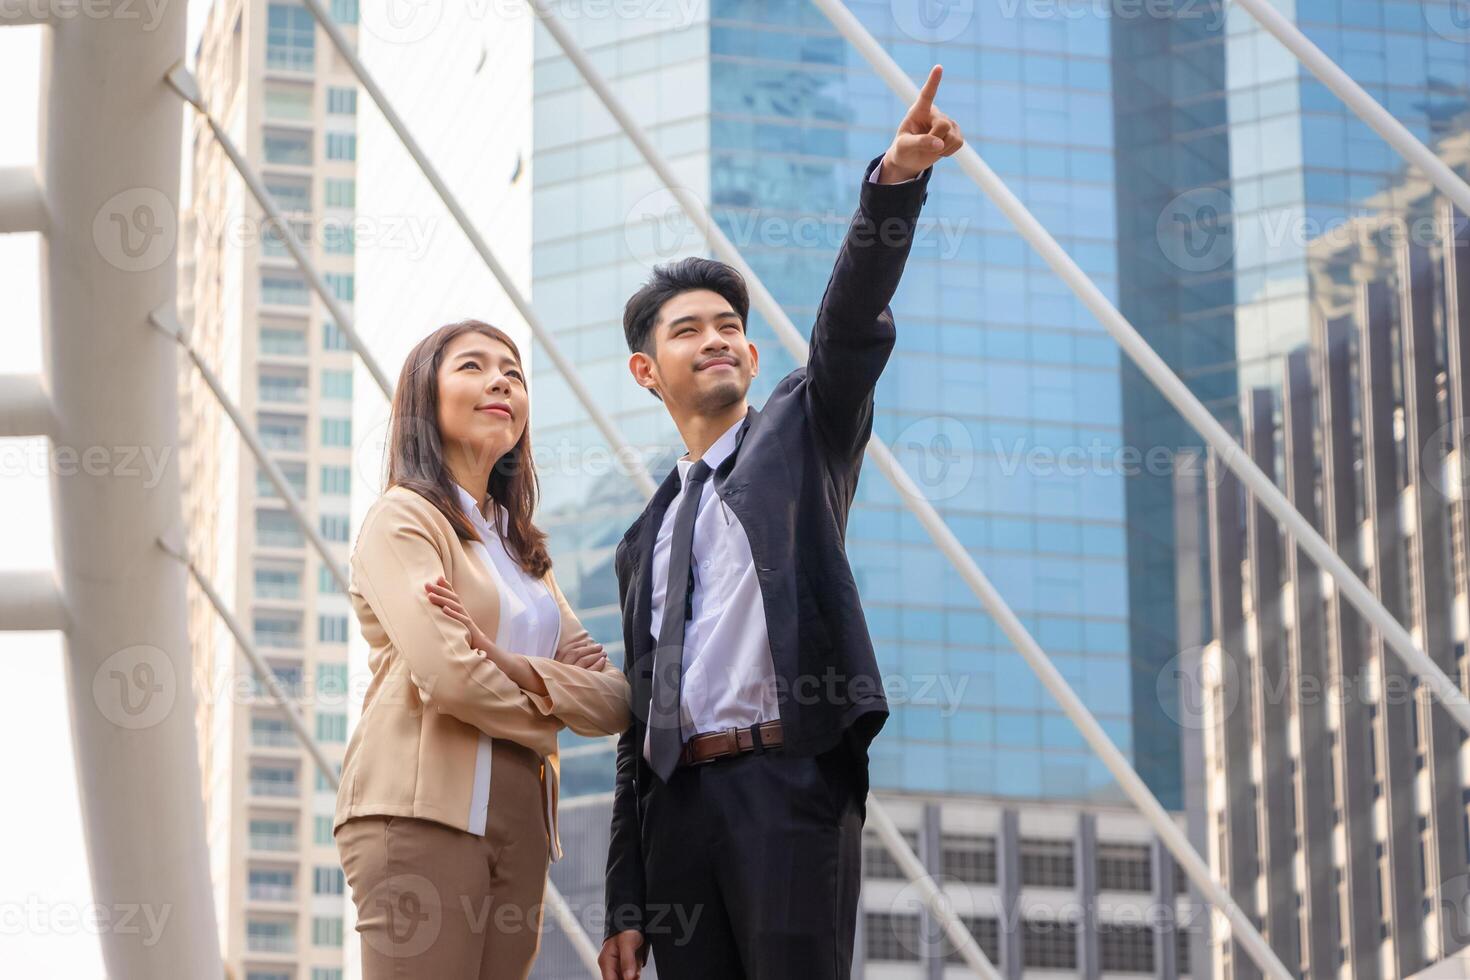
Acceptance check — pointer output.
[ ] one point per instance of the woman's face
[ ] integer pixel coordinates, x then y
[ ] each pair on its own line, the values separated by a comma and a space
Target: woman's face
483, 404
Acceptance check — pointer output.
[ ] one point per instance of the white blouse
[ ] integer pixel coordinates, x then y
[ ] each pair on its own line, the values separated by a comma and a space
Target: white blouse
530, 624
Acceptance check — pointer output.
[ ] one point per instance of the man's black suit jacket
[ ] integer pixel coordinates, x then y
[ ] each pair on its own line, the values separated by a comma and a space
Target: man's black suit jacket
790, 481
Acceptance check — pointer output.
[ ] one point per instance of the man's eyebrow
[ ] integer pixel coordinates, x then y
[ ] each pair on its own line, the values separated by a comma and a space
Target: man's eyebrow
696, 316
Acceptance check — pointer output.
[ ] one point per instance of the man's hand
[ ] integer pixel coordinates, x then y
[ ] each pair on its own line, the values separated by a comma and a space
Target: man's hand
623, 955
925, 135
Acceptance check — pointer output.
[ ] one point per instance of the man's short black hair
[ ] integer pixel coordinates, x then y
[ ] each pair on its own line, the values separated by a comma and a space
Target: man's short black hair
669, 281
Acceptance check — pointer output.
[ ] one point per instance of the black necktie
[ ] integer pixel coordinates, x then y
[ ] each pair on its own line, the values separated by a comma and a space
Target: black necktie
665, 741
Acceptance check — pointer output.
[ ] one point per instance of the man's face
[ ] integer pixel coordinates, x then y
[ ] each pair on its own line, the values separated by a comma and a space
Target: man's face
702, 362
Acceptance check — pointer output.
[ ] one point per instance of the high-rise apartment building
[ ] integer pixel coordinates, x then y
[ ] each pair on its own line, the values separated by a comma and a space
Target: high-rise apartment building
289, 104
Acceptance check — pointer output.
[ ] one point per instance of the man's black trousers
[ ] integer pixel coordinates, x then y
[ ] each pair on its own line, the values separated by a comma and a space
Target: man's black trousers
752, 867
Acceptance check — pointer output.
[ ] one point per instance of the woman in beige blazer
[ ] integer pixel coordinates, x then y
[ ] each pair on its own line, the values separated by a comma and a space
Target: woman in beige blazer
447, 811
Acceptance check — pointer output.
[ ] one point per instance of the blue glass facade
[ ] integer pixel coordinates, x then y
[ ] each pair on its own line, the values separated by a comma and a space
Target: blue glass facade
997, 376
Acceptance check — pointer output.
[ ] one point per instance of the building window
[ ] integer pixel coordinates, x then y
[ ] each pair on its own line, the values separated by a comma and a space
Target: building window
289, 193
1126, 948
272, 835
1124, 868
273, 781
326, 931
269, 936
282, 340
1048, 944
969, 858
331, 629
331, 680
281, 386
987, 937
336, 480
331, 726
280, 632
341, 192
272, 885
341, 284
277, 583
326, 880
339, 238
344, 12
326, 582
333, 338
283, 288
324, 785
878, 863
891, 936
337, 432
271, 733
337, 384
268, 975
290, 40
341, 146
287, 147
287, 101
335, 527
1047, 863
281, 432
326, 973
342, 101
322, 830
277, 529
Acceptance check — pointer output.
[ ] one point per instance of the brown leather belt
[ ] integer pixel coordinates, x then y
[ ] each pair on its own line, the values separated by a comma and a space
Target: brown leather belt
709, 746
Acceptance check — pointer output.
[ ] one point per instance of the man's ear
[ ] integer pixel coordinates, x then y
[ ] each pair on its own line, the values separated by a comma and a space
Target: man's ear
755, 359
641, 366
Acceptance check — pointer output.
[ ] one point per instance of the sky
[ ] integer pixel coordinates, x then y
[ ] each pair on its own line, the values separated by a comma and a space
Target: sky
46, 925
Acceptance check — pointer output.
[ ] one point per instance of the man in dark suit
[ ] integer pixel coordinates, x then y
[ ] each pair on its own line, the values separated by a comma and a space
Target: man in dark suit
742, 783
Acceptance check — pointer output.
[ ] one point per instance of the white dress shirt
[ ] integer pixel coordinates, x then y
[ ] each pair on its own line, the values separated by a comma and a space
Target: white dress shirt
530, 624
729, 680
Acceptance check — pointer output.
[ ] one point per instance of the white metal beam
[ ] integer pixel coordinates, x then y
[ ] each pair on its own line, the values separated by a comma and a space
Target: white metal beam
22, 202
25, 407
110, 167
31, 601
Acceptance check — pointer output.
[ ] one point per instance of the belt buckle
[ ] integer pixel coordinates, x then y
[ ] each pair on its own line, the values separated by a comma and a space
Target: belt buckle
733, 745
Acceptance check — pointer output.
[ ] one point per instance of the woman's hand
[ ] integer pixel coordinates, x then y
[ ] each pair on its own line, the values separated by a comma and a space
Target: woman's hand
583, 651
441, 595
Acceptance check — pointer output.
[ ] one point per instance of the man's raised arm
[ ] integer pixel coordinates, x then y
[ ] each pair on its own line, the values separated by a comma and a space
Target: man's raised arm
854, 333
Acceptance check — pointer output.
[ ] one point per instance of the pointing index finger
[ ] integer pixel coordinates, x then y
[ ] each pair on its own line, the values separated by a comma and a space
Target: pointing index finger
931, 86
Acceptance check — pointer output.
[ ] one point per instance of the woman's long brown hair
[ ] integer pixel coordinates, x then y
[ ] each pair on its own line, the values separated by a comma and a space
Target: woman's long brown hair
416, 451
